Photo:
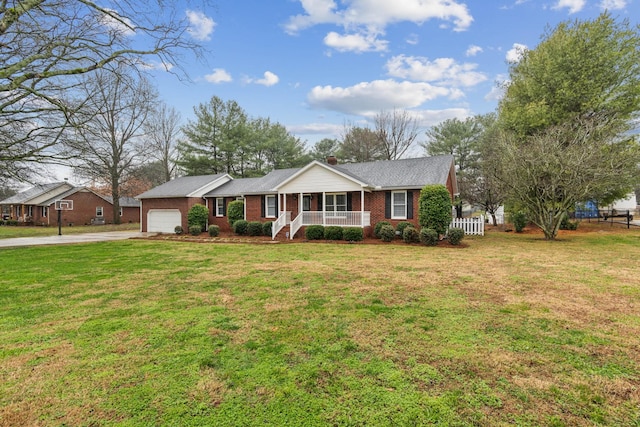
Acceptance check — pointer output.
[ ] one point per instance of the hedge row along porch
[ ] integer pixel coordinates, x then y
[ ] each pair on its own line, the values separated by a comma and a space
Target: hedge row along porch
348, 195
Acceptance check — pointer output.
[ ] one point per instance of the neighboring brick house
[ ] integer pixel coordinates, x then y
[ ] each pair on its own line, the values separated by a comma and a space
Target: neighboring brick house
37, 206
350, 195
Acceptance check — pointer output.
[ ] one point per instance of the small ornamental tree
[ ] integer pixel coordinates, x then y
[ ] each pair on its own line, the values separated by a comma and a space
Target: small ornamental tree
435, 208
197, 216
235, 211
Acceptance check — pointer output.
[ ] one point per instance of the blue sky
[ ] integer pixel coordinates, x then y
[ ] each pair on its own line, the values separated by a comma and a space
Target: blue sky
313, 65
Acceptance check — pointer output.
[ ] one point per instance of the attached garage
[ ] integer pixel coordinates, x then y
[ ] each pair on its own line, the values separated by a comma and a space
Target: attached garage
163, 220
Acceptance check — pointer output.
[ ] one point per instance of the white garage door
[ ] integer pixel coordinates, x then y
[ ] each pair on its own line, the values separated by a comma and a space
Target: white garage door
163, 220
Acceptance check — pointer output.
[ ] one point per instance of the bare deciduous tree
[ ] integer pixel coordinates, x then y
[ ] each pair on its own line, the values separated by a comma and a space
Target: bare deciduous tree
108, 138
162, 130
360, 144
396, 131
45, 45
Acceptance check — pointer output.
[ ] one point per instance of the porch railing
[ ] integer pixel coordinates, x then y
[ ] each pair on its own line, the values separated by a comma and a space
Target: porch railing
343, 219
295, 226
280, 223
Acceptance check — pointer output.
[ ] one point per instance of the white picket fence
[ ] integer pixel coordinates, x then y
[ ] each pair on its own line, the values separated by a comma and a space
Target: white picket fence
471, 226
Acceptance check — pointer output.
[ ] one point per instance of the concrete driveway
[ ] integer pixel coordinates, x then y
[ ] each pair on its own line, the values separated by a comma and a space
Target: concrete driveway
71, 238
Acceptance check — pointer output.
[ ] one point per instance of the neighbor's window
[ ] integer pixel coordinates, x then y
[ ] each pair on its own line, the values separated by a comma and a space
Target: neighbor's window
98, 210
270, 204
219, 206
45, 211
121, 211
336, 202
399, 205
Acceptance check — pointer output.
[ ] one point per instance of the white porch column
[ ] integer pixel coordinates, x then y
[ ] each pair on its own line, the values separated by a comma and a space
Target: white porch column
362, 208
324, 208
284, 202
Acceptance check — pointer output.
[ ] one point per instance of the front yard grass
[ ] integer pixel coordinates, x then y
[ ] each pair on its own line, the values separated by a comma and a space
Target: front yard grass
511, 330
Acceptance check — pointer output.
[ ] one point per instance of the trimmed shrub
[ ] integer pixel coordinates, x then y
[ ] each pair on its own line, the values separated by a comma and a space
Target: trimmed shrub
197, 215
195, 230
429, 237
567, 224
435, 208
410, 235
13, 222
456, 235
1, 221
387, 233
214, 230
254, 228
353, 234
267, 228
235, 211
240, 227
376, 229
519, 220
314, 232
178, 229
333, 232
401, 226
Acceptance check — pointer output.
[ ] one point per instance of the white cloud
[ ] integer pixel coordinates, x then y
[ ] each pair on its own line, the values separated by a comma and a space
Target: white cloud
445, 71
316, 129
219, 75
613, 4
156, 65
497, 91
269, 79
413, 39
369, 98
515, 53
355, 42
201, 26
119, 24
428, 118
574, 6
379, 13
473, 50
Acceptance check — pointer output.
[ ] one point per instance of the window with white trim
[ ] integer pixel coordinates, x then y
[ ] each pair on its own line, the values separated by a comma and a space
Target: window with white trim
399, 205
98, 211
335, 202
270, 206
219, 206
45, 211
121, 210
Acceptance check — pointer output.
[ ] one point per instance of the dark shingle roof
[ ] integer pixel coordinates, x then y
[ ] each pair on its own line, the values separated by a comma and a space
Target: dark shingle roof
247, 186
180, 187
403, 173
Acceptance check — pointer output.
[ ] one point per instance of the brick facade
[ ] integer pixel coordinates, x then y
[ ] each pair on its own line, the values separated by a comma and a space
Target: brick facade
374, 202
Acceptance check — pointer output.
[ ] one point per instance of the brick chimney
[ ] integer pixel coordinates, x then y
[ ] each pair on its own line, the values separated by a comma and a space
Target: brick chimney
332, 160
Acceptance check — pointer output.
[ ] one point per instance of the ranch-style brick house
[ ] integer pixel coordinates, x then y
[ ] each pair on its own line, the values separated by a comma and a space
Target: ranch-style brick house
348, 195
36, 206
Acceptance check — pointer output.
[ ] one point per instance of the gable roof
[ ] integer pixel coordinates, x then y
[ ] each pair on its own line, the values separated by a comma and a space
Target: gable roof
345, 174
34, 194
250, 186
403, 173
186, 186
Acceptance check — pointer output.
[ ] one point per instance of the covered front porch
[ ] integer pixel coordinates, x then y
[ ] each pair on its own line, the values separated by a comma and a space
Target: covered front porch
326, 209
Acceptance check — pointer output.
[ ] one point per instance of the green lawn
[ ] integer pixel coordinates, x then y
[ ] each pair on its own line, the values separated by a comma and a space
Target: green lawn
509, 330
7, 232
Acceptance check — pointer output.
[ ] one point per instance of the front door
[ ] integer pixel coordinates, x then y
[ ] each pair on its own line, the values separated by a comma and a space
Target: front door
306, 202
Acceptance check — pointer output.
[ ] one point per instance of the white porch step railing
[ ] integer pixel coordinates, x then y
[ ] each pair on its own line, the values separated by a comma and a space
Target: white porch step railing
295, 226
343, 219
280, 223
471, 226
